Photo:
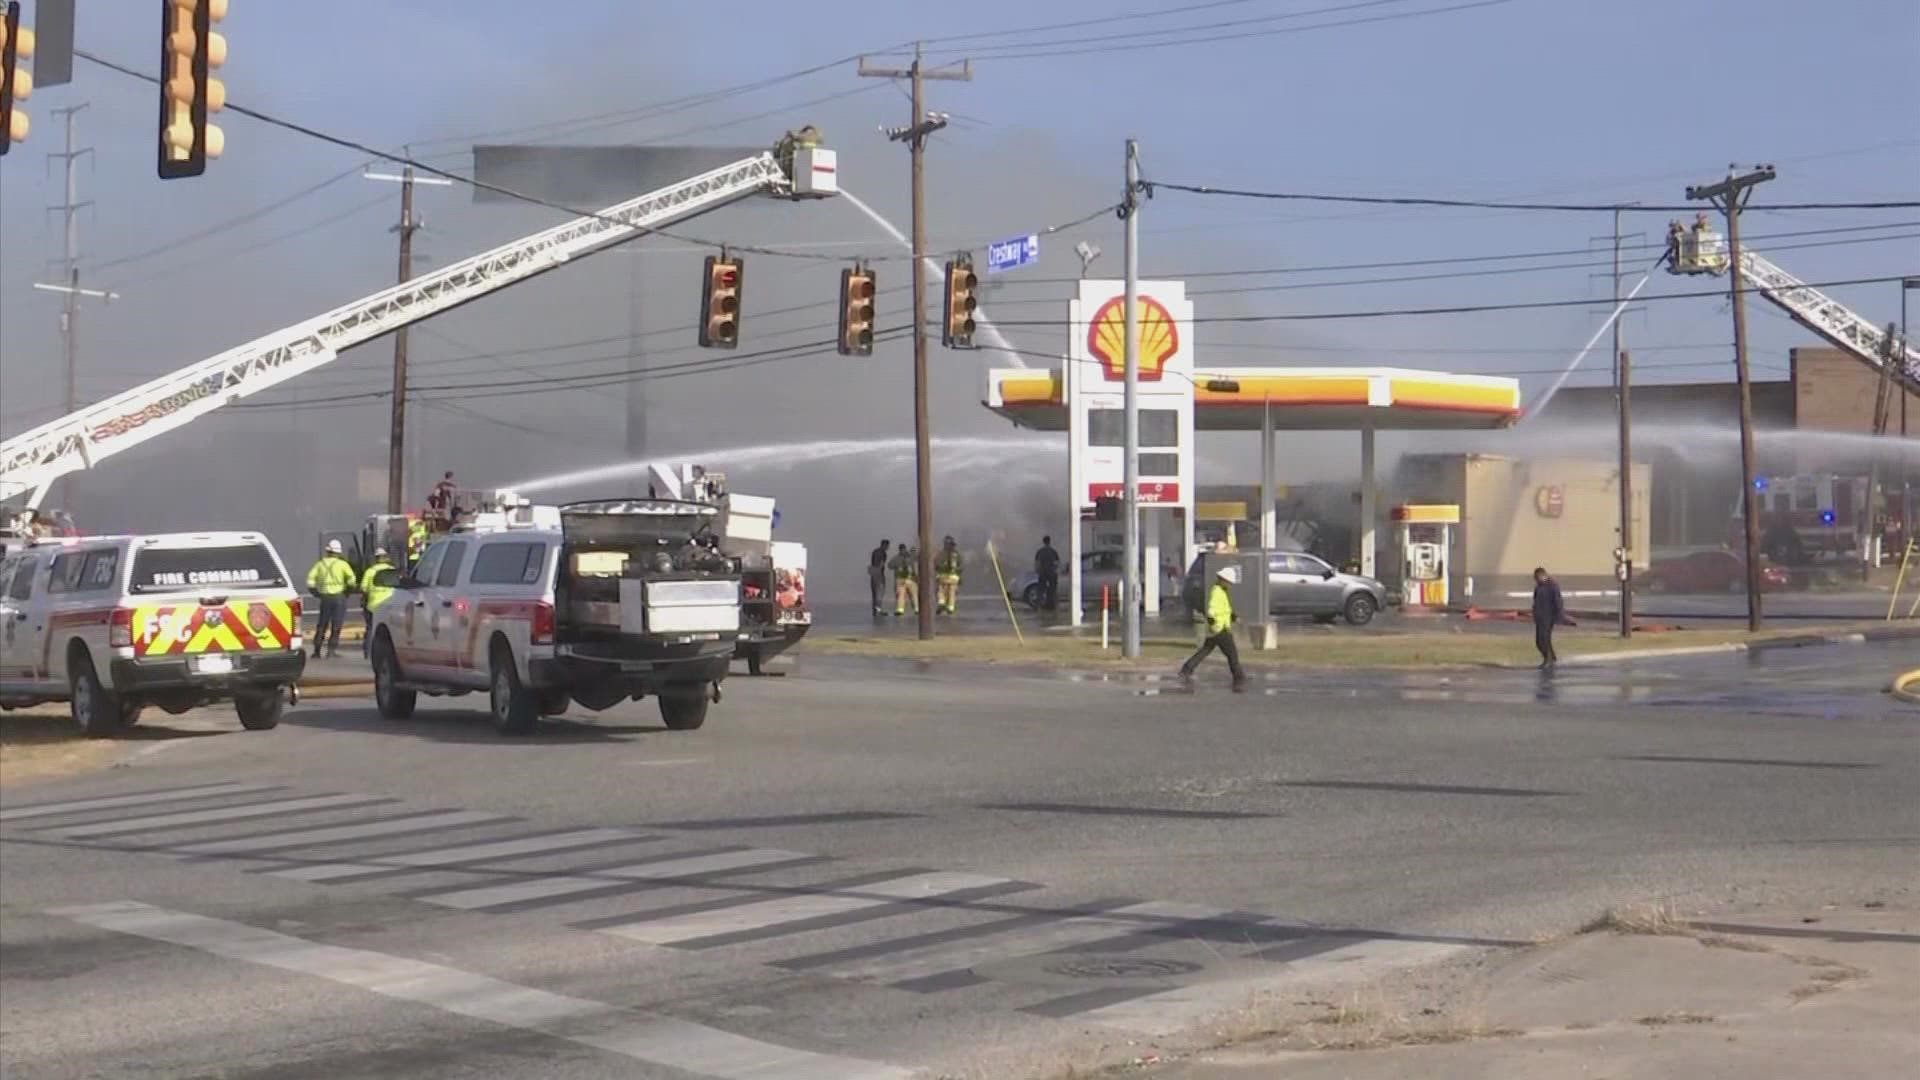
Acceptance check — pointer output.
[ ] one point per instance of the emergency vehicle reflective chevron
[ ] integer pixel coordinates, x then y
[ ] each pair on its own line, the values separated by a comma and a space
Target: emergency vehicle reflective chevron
240, 626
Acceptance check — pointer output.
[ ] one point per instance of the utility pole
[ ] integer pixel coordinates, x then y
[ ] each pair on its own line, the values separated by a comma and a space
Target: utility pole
397, 435
1731, 196
1130, 594
1907, 531
1626, 447
914, 134
70, 264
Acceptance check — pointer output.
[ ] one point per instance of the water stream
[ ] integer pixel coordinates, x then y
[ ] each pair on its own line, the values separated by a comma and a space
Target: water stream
958, 454
987, 330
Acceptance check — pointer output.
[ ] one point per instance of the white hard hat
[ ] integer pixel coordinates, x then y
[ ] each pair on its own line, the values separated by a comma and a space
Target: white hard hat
334, 548
1228, 574
379, 553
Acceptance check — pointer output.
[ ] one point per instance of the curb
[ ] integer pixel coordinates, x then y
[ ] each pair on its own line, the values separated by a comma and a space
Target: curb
1799, 641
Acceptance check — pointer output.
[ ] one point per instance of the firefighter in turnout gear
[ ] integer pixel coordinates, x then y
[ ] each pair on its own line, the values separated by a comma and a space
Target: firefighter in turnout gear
374, 591
1219, 629
946, 573
331, 579
906, 579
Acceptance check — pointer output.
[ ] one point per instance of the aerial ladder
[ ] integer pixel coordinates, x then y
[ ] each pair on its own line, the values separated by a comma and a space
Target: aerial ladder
1703, 250
796, 168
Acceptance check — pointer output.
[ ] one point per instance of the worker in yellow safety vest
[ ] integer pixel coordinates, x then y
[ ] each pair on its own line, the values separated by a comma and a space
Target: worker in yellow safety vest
1219, 628
331, 579
375, 590
416, 540
906, 579
946, 573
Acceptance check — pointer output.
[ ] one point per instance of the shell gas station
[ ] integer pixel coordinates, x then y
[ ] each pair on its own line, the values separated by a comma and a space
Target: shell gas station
1178, 397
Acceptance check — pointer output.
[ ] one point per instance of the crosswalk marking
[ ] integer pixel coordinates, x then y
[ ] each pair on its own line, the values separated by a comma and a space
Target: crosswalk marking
926, 962
111, 802
545, 844
331, 834
657, 1040
689, 928
225, 813
547, 888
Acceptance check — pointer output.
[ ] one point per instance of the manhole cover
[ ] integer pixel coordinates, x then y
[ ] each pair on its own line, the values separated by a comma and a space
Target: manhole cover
1120, 967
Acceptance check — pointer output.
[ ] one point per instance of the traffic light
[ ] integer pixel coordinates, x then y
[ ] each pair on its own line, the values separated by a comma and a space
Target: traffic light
16, 81
720, 302
189, 50
957, 333
856, 311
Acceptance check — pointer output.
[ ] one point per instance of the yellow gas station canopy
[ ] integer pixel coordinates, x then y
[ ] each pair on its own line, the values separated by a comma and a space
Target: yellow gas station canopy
1301, 399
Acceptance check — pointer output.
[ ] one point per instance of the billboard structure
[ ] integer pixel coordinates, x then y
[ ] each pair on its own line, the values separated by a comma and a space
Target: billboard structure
1095, 388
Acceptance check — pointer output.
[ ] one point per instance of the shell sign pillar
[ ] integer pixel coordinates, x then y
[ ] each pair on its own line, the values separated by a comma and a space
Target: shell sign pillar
1096, 423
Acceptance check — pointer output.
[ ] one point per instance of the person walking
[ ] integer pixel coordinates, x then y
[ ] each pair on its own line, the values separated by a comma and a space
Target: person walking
906, 583
877, 576
1549, 611
1046, 564
374, 591
331, 579
1219, 629
946, 573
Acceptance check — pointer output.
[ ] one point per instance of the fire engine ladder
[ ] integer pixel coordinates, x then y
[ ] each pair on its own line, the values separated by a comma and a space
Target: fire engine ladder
33, 460
1701, 251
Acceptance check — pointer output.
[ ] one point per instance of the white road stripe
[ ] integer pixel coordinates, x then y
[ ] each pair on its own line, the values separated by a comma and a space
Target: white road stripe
334, 833
204, 817
496, 849
1030, 940
1172, 1011
110, 802
663, 870
676, 1044
768, 913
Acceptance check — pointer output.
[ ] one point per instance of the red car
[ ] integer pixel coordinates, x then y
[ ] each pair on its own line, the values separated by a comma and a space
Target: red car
1710, 571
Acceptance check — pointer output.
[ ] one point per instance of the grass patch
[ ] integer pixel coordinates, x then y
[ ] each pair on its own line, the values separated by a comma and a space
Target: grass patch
1678, 1017
1336, 648
41, 743
1653, 919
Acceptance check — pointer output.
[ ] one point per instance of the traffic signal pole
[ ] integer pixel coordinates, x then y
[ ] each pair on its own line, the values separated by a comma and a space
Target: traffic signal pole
915, 136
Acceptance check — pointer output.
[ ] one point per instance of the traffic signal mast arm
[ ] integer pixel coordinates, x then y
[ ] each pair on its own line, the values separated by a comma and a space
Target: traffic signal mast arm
1699, 250
31, 461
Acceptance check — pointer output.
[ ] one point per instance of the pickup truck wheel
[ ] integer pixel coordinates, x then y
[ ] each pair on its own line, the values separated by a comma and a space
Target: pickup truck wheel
260, 709
393, 702
515, 708
683, 707
96, 710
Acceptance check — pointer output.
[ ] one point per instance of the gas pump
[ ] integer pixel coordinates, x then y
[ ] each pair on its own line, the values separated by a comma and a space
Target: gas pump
1426, 552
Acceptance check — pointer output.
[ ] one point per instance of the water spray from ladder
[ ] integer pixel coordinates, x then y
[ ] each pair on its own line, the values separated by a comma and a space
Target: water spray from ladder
1595, 339
986, 327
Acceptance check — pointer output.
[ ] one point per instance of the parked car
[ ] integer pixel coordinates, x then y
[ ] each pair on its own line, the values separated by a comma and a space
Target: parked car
1303, 584
1098, 570
1709, 572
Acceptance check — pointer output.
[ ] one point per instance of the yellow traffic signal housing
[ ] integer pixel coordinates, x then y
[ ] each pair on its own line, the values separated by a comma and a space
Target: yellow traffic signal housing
189, 51
856, 311
957, 332
16, 80
720, 303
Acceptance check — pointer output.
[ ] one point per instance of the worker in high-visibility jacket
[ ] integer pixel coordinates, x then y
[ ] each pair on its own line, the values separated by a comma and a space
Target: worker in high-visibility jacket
331, 579
416, 540
375, 590
906, 579
946, 575
1219, 628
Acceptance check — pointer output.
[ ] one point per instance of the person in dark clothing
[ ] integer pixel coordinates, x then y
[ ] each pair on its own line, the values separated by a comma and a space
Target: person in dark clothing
1549, 611
877, 575
1046, 564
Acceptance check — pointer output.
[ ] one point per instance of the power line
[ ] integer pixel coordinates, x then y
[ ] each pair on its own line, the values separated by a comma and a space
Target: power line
987, 51
220, 227
1409, 200
1104, 20
265, 242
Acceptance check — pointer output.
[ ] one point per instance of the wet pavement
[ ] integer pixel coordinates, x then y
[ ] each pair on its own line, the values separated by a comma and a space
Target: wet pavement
1825, 681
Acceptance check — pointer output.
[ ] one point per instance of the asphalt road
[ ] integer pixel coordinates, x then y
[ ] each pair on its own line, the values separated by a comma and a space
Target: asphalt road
867, 870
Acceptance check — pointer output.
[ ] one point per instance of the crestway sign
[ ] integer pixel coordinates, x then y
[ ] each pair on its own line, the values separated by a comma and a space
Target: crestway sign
1010, 254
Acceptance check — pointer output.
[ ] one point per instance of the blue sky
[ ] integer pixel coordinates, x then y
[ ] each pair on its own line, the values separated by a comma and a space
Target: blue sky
1629, 99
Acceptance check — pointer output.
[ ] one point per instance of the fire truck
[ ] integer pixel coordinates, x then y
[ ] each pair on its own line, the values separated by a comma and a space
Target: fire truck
796, 168
1806, 518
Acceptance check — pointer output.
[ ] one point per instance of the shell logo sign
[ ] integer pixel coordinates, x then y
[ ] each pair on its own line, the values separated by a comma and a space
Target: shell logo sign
1107, 338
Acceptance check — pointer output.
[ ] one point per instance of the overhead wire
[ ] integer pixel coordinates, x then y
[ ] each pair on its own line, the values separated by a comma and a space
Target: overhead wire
1483, 204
